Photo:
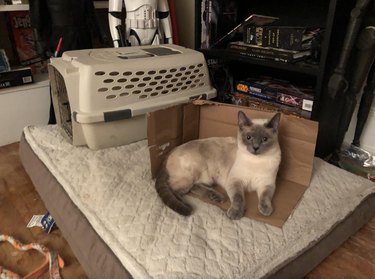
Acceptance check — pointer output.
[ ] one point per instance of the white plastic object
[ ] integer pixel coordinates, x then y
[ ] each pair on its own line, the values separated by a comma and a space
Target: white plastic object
101, 96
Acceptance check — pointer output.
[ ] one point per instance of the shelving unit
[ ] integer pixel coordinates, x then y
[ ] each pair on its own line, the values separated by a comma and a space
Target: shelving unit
29, 104
22, 105
41, 80
292, 12
25, 7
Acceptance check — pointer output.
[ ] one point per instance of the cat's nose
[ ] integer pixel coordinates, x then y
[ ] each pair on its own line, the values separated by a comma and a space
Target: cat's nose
255, 148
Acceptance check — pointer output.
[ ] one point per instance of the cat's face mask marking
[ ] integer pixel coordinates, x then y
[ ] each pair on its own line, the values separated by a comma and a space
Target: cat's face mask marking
258, 138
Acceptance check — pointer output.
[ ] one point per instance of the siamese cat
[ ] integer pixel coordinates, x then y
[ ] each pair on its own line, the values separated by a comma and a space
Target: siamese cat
249, 162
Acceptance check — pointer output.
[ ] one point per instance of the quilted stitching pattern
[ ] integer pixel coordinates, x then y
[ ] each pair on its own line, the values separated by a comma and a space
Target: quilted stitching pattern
114, 190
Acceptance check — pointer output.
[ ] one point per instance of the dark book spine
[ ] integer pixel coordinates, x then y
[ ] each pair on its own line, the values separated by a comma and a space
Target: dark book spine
276, 37
253, 35
255, 89
259, 52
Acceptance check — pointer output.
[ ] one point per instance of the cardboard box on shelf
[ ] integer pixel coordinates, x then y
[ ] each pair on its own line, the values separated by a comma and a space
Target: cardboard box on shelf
173, 126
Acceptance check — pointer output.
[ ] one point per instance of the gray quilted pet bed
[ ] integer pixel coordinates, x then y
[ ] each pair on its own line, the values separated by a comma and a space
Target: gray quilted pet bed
105, 205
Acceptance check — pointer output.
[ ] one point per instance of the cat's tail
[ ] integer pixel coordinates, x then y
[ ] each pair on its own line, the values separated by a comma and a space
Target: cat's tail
170, 199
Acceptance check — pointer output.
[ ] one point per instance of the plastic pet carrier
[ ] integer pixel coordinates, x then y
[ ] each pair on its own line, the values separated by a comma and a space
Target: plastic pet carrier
101, 96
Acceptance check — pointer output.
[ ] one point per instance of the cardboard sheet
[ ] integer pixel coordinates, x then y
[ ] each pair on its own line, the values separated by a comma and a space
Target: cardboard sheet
173, 126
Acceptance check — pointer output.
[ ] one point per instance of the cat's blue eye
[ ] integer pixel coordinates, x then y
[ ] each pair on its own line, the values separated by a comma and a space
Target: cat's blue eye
264, 139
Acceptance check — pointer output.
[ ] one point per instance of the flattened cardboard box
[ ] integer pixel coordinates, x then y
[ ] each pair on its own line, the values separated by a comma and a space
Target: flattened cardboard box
173, 126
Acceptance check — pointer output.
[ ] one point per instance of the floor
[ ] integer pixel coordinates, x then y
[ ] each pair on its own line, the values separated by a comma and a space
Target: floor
19, 202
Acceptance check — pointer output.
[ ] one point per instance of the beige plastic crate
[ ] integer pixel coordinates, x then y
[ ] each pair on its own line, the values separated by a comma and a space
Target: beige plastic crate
101, 96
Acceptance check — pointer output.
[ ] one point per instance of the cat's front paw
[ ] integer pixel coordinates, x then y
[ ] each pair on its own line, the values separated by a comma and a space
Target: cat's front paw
216, 196
235, 213
265, 207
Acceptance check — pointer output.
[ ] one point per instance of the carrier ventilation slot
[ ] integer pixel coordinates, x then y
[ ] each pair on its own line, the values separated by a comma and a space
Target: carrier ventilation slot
150, 84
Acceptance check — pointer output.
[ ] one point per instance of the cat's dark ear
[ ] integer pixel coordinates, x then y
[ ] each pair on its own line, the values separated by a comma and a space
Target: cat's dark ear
243, 120
274, 122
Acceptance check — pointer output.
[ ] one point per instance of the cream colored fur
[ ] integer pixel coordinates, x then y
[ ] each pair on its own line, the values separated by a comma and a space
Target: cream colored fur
228, 162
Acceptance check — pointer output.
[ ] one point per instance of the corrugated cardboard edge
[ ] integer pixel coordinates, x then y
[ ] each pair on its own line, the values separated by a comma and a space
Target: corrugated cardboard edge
168, 128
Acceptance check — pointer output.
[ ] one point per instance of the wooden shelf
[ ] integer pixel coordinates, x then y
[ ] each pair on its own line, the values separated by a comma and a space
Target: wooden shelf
39, 81
25, 7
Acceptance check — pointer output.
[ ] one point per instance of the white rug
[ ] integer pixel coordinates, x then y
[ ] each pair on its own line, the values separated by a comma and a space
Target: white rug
114, 190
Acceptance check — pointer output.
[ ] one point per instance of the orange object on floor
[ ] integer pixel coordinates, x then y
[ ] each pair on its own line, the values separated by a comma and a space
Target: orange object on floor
52, 261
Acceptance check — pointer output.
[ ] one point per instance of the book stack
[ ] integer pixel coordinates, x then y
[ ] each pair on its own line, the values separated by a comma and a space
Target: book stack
284, 37
242, 99
280, 43
275, 93
276, 54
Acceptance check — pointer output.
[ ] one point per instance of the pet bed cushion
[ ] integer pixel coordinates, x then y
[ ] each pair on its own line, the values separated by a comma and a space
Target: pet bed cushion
114, 191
